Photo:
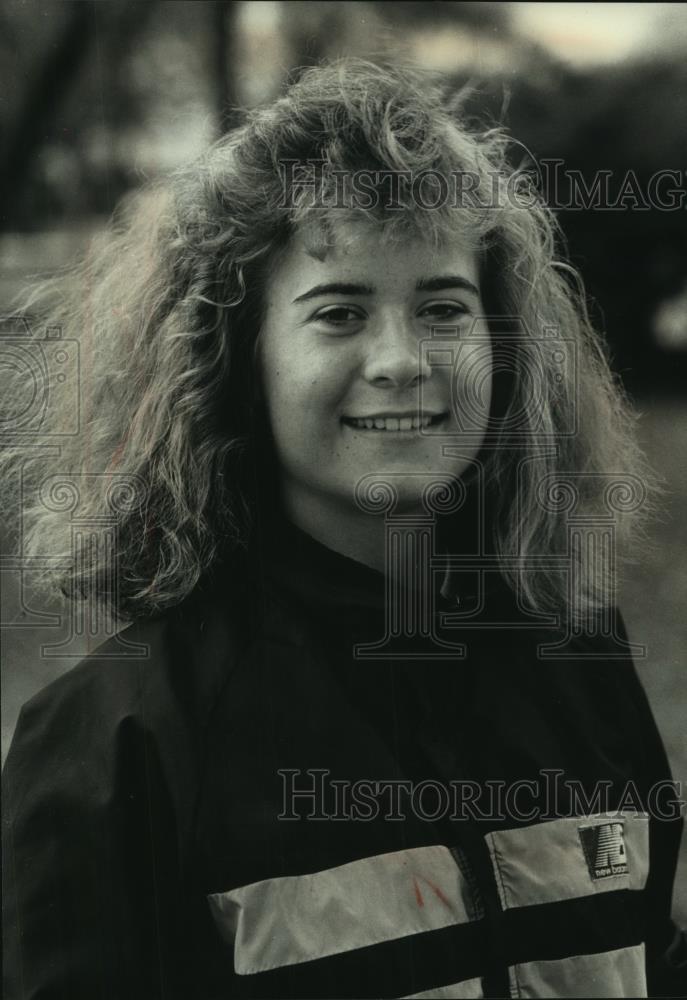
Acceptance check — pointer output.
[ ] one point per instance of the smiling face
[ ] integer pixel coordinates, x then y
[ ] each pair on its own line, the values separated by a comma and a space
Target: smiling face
350, 387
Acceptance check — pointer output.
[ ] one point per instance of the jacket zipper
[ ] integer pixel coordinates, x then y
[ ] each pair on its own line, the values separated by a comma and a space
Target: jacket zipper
472, 857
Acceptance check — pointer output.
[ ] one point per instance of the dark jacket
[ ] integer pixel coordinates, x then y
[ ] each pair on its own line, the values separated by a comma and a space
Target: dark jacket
156, 846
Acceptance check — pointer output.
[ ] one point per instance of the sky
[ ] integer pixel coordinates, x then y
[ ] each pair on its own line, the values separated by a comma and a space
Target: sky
587, 34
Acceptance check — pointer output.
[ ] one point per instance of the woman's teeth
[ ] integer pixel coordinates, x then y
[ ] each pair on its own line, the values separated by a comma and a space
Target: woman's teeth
389, 423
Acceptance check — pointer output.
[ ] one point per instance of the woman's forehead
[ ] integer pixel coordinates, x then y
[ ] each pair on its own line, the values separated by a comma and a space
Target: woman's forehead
349, 240
322, 237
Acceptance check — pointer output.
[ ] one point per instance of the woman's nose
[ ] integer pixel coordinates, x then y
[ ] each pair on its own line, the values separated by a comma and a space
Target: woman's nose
396, 356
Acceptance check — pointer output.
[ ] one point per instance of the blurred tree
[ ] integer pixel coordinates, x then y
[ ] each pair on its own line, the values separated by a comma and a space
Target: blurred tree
54, 72
315, 31
481, 14
223, 28
78, 62
627, 121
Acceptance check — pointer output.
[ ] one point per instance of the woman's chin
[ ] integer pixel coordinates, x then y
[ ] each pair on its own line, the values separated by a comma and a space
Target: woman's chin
399, 491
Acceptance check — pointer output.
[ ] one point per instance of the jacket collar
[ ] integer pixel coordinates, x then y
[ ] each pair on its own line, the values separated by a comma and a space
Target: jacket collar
295, 564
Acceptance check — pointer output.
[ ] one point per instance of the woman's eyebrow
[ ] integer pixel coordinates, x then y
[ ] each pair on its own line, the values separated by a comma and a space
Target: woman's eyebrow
335, 288
437, 284
443, 282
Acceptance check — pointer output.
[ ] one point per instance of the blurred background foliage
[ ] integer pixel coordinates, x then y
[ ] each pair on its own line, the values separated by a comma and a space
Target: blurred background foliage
97, 97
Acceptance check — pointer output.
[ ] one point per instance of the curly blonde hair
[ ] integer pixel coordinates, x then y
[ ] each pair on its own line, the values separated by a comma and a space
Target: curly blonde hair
167, 311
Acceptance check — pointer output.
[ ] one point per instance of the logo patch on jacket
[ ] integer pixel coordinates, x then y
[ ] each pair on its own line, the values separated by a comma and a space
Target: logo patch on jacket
604, 849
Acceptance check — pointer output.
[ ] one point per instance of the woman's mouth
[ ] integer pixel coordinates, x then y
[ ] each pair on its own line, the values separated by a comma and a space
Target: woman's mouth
395, 424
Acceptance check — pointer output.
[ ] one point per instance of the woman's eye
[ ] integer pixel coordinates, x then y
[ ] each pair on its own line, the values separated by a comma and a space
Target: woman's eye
444, 311
337, 315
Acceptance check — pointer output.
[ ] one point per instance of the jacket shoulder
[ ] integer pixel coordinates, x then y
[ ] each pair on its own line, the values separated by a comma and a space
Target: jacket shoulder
110, 675
155, 682
98, 794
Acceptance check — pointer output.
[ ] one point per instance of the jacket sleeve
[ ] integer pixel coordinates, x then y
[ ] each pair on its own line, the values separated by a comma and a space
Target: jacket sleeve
89, 908
666, 944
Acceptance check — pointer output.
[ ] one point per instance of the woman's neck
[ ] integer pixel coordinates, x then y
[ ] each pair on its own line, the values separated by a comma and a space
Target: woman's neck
357, 534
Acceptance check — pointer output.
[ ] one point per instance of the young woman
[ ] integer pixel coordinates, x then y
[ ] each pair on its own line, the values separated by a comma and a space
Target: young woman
356, 473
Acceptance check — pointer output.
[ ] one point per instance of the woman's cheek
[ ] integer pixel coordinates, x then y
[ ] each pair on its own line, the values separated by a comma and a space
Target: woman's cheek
472, 386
